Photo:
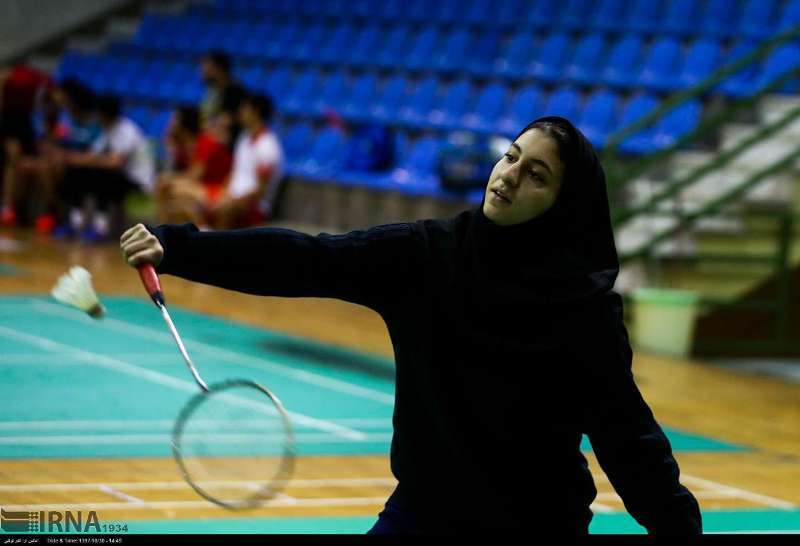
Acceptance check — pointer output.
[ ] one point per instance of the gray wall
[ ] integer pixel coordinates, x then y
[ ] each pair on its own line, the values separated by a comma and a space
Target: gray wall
28, 23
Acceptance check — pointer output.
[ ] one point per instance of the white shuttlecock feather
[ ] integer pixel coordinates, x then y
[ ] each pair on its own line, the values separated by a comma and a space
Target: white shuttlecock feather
75, 288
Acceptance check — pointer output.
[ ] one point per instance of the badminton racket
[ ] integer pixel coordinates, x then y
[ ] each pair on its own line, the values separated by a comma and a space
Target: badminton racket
232, 440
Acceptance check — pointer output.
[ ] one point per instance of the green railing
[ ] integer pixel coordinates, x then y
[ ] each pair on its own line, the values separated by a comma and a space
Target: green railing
619, 171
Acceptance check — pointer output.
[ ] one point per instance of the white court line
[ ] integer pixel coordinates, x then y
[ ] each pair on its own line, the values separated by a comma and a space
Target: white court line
166, 505
601, 508
151, 424
232, 356
173, 485
120, 495
726, 490
223, 438
739, 493
167, 380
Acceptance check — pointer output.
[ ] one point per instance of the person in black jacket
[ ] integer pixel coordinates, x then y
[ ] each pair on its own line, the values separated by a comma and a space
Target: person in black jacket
508, 340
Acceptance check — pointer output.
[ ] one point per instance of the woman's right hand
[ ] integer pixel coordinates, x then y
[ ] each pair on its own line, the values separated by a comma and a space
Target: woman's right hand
139, 246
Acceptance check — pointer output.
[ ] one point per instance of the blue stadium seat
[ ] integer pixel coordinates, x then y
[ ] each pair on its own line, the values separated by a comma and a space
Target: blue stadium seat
419, 102
150, 31
719, 18
550, 57
640, 142
644, 16
307, 46
453, 105
417, 11
254, 77
743, 83
389, 11
356, 105
488, 108
524, 106
417, 171
681, 17
422, 49
506, 13
481, 11
330, 93
295, 144
574, 16
758, 19
587, 59
609, 15
512, 59
564, 102
484, 52
790, 16
540, 14
452, 54
598, 118
782, 60
332, 50
391, 50
700, 61
623, 62
303, 89
288, 35
325, 156
147, 86
278, 81
677, 123
446, 12
658, 69
365, 43
255, 42
233, 36
391, 96
158, 123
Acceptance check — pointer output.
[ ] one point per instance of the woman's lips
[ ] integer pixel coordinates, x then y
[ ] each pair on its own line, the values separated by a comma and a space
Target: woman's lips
500, 199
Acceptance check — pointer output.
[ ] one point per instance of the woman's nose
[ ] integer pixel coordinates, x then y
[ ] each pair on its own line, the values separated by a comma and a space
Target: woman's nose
509, 178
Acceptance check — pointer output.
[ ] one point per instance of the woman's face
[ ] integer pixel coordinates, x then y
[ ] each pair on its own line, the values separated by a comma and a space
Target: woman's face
526, 180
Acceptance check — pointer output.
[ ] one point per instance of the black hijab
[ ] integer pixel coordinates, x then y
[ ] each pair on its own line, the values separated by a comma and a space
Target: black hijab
566, 254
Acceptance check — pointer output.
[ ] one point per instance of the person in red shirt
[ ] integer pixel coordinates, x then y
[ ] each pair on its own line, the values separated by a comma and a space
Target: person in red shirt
201, 164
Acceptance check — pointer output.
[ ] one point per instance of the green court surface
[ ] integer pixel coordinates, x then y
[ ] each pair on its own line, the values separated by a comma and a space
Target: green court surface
61, 369
78, 388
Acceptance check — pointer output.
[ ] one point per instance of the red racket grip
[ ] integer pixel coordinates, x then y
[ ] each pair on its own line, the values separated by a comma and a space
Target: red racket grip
151, 282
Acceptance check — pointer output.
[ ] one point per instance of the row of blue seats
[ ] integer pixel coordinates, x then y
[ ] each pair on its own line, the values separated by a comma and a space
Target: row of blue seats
627, 61
663, 67
751, 18
497, 110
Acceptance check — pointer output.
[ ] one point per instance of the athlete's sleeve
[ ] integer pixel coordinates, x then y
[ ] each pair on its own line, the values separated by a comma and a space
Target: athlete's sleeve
630, 445
370, 267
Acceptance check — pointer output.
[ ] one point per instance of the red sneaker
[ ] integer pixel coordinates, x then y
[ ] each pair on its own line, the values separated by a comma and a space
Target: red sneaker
45, 223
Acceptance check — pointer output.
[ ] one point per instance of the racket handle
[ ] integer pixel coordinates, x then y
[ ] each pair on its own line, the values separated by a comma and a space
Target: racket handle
151, 283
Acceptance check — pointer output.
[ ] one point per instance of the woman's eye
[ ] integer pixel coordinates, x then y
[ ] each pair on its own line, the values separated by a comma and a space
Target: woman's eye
536, 176
509, 157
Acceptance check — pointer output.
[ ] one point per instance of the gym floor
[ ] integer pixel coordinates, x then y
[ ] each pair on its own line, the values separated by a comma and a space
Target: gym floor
89, 406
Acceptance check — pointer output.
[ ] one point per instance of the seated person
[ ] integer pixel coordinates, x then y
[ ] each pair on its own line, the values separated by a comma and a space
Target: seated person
65, 122
200, 165
22, 89
252, 186
118, 162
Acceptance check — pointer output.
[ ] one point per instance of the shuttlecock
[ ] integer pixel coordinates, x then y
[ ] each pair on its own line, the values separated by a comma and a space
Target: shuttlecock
75, 288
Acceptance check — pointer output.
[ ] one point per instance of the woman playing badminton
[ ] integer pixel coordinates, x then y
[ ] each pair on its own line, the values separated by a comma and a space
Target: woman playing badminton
508, 339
